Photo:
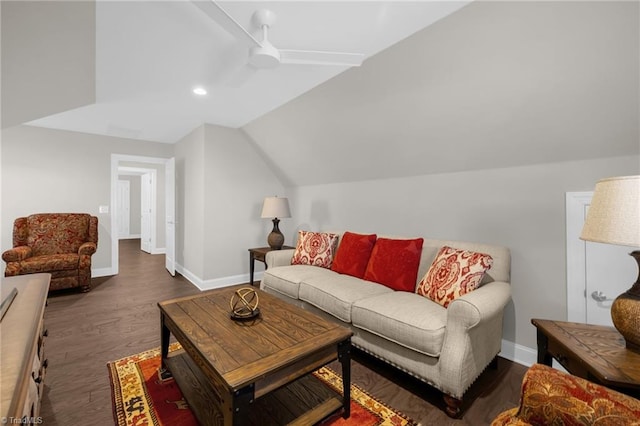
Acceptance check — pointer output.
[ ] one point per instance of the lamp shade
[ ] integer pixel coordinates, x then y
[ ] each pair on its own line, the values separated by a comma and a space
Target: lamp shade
275, 207
614, 214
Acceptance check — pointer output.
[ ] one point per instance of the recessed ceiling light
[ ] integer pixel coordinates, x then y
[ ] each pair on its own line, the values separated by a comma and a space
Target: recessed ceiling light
200, 91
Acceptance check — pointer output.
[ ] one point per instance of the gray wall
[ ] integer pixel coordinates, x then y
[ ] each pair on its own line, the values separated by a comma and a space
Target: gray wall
236, 182
190, 197
221, 182
52, 68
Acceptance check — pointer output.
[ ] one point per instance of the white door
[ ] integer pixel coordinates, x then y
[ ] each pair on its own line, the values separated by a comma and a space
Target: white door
124, 208
596, 273
170, 222
146, 210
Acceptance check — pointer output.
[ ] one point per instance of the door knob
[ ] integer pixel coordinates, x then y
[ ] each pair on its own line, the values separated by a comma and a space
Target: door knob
598, 296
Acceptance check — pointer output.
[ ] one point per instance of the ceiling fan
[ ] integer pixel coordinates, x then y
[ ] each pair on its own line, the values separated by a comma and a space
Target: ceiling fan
262, 54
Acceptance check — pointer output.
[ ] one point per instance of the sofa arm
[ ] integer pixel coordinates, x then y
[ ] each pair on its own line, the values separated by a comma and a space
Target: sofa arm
87, 249
473, 335
550, 396
16, 254
279, 258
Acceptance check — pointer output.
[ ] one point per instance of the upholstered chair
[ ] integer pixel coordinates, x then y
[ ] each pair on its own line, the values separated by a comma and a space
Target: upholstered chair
551, 397
57, 243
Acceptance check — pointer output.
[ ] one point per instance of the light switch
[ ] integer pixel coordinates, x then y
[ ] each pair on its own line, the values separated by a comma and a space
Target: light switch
103, 209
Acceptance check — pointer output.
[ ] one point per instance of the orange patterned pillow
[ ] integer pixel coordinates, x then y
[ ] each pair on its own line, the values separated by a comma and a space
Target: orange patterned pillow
315, 248
454, 272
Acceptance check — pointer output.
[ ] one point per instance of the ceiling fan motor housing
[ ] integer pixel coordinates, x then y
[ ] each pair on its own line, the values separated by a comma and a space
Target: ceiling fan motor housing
265, 56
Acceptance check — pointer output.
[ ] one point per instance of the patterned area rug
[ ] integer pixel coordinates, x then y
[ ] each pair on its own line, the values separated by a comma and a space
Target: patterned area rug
140, 398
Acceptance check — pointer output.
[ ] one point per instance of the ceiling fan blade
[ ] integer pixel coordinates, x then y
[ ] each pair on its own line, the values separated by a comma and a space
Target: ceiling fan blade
218, 14
311, 57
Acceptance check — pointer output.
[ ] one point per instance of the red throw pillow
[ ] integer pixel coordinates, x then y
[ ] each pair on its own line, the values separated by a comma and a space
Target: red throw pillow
315, 249
394, 263
353, 254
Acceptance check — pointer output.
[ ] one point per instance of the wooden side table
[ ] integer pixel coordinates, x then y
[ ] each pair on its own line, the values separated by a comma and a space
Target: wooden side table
593, 352
259, 254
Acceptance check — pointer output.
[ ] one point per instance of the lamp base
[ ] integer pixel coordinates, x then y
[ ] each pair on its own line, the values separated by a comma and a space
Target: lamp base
275, 238
625, 312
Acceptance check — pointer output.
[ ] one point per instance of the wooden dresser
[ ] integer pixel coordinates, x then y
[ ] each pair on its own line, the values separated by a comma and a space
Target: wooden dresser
22, 336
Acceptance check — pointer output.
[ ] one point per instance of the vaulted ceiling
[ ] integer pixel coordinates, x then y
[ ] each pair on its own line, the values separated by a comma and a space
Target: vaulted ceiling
151, 54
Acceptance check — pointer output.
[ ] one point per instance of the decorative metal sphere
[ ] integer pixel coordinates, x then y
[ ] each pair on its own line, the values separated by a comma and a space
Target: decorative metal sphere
244, 303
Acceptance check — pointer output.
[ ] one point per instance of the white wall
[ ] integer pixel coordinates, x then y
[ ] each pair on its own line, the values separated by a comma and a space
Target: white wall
521, 208
46, 170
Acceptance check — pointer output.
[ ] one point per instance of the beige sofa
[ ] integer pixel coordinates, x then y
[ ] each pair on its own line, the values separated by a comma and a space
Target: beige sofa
447, 348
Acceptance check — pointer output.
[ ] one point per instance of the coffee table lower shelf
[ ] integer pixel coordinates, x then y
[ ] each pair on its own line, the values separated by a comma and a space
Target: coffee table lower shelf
305, 401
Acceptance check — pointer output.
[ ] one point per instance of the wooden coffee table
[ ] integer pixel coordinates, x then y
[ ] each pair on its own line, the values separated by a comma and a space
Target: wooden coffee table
253, 372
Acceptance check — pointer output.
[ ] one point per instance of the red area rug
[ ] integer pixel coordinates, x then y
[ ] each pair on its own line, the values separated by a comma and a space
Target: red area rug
140, 398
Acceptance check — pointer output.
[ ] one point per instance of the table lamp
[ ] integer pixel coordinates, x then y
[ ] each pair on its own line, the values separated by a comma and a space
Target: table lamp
614, 218
275, 207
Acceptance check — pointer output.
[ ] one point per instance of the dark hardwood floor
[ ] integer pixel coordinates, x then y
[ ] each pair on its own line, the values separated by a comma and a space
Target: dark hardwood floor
120, 317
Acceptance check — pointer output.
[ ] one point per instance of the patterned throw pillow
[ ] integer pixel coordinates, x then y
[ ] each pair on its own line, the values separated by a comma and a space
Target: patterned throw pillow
353, 254
315, 248
394, 263
454, 272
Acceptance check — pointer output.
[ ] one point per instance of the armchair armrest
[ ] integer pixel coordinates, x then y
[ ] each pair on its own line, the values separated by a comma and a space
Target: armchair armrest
279, 258
17, 254
87, 249
473, 335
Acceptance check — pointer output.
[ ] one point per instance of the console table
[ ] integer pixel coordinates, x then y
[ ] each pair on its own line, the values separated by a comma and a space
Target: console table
22, 347
593, 352
259, 254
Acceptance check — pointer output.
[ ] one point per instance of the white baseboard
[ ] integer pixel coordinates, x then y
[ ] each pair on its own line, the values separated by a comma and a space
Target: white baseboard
158, 250
129, 237
102, 272
523, 355
216, 282
518, 353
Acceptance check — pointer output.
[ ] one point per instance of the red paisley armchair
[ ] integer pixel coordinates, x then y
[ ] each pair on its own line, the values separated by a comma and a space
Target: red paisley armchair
60, 244
551, 397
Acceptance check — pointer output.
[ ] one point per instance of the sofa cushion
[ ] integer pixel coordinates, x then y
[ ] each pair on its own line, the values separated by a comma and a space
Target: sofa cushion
394, 263
405, 318
353, 254
286, 279
335, 293
453, 273
315, 248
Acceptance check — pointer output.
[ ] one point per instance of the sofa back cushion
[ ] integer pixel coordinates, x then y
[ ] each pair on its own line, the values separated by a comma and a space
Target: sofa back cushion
394, 263
57, 233
353, 254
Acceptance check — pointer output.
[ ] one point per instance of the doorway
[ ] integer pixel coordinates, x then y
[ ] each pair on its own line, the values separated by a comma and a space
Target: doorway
156, 224
596, 273
141, 208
